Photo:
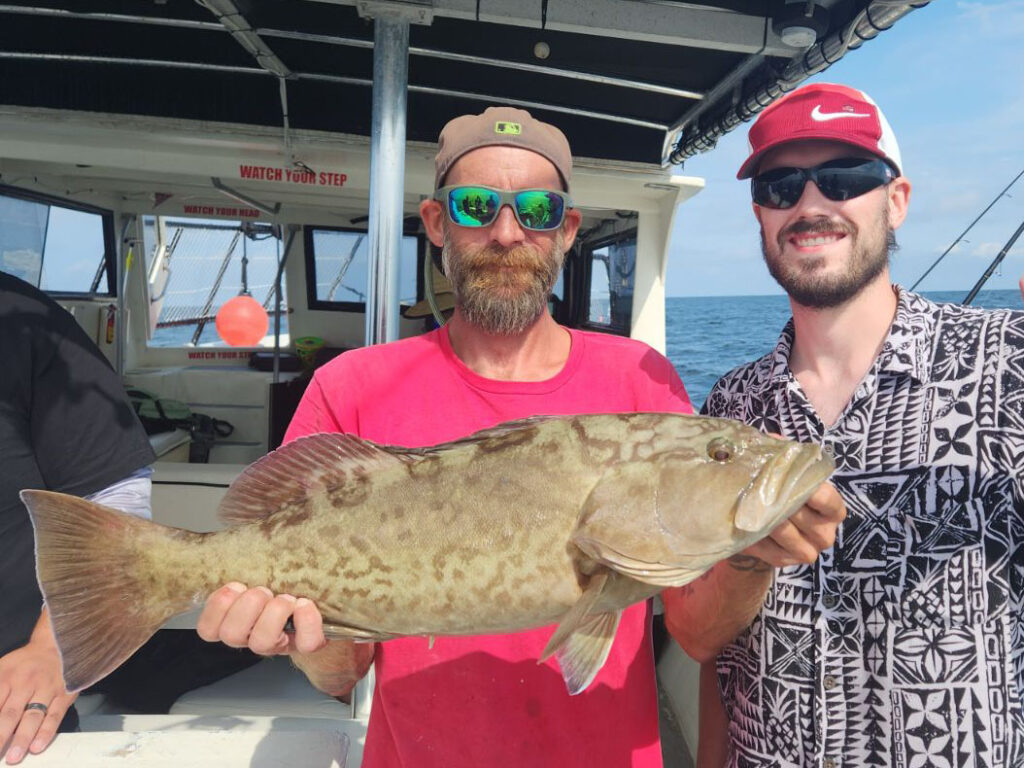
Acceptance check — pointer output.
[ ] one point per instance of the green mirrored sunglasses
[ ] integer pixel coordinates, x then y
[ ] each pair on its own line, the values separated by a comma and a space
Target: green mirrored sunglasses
473, 206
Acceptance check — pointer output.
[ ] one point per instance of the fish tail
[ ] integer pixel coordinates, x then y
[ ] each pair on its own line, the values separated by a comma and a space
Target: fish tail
95, 579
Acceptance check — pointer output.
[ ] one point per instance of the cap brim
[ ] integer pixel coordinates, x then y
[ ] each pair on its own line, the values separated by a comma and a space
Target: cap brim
445, 302
749, 167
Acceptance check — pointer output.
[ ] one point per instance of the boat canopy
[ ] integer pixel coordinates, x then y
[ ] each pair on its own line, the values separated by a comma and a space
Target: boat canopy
629, 81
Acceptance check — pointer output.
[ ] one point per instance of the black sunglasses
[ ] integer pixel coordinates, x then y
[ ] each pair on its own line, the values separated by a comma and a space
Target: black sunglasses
842, 179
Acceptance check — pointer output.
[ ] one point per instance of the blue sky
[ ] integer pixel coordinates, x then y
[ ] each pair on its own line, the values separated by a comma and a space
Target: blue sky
950, 79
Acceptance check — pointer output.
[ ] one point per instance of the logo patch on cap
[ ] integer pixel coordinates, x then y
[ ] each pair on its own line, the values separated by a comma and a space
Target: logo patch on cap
823, 117
510, 129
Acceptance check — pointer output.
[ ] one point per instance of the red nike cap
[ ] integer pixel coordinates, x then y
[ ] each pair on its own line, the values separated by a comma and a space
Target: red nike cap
822, 111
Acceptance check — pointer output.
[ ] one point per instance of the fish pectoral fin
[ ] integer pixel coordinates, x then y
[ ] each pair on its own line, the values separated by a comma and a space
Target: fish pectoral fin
356, 634
576, 615
583, 654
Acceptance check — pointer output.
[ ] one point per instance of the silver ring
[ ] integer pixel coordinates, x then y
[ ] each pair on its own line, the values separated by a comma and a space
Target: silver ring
36, 705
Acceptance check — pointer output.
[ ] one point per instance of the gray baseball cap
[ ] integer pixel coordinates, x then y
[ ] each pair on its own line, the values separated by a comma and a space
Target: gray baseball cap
500, 126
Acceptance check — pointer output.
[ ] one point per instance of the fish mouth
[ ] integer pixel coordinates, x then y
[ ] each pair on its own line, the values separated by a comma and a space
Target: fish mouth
782, 486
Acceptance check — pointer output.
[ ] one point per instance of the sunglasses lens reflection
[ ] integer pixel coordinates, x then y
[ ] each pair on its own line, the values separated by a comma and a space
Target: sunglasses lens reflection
538, 209
472, 206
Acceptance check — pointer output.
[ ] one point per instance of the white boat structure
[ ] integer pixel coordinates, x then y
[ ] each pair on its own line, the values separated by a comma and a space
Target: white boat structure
146, 147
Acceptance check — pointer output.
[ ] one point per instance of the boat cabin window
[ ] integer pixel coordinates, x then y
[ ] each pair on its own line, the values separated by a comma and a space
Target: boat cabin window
612, 265
336, 268
195, 265
60, 247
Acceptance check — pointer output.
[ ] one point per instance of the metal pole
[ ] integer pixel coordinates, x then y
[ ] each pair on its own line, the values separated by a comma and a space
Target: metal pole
125, 255
292, 231
387, 175
992, 267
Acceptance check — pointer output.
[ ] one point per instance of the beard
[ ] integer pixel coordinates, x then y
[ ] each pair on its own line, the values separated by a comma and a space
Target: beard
802, 277
502, 291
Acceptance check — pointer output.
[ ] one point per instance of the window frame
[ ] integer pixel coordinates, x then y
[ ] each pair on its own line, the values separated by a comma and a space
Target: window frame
109, 240
312, 302
587, 257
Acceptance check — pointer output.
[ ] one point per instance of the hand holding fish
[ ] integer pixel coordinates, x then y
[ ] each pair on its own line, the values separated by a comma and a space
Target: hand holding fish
255, 619
31, 675
805, 535
708, 613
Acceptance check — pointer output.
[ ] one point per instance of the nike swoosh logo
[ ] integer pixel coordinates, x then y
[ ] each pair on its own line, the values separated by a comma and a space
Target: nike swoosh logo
823, 117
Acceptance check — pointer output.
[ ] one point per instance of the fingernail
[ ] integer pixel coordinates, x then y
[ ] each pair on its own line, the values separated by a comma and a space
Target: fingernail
265, 591
289, 598
302, 602
37, 746
235, 586
14, 755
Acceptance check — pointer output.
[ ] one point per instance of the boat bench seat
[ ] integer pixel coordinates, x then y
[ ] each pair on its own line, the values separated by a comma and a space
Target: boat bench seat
274, 687
186, 495
237, 395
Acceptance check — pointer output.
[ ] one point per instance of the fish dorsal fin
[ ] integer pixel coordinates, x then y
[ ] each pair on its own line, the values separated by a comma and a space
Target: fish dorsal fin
303, 467
497, 432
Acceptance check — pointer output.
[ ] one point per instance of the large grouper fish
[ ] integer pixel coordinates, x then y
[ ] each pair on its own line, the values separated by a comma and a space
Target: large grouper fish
546, 520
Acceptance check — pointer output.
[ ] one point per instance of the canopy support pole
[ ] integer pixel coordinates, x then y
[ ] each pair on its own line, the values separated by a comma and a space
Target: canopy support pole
387, 174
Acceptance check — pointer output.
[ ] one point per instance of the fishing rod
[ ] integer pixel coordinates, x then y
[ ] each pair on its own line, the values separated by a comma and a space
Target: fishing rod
961, 237
995, 263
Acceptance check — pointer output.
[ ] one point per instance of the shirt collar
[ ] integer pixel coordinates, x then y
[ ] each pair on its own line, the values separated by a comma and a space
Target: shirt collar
907, 347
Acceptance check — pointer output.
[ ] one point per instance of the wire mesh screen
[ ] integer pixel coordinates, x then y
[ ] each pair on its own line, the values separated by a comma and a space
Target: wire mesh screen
204, 265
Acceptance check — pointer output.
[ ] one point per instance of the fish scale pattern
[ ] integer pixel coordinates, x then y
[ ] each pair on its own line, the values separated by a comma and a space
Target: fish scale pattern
903, 645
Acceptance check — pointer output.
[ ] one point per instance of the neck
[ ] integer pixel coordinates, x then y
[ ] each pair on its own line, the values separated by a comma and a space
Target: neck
538, 353
834, 348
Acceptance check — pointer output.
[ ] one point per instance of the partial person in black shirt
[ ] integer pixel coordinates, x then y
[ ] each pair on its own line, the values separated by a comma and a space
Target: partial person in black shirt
64, 426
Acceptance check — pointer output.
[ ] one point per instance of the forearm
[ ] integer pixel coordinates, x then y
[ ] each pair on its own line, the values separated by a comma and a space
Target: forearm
708, 613
337, 667
713, 723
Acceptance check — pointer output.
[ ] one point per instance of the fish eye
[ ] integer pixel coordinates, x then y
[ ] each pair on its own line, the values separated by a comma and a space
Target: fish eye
721, 450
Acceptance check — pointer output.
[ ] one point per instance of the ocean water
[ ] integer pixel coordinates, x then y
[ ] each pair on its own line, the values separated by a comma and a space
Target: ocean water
708, 336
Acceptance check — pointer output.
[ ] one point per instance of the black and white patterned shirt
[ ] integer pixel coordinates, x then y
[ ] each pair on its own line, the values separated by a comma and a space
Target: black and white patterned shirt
904, 644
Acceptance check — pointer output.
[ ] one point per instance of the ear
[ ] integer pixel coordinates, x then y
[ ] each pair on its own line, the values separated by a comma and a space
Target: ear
898, 200
431, 212
571, 225
757, 213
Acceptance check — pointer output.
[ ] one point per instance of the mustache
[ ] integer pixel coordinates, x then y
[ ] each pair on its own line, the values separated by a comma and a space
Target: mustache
818, 226
492, 255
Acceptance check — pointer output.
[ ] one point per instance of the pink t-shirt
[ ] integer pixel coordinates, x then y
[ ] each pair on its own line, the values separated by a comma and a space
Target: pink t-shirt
484, 701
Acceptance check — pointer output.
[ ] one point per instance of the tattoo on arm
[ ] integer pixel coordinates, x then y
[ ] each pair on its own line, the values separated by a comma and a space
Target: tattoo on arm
687, 589
741, 562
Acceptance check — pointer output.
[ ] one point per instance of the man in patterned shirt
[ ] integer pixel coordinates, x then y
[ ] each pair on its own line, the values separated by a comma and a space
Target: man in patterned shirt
904, 644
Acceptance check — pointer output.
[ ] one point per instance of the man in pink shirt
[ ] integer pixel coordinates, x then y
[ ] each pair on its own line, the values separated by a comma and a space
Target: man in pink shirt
503, 217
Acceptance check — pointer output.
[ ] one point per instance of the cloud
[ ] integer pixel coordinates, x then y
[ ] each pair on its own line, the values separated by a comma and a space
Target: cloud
996, 20
985, 250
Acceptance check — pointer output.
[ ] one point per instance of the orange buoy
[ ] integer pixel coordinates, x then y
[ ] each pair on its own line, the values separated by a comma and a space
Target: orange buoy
242, 322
